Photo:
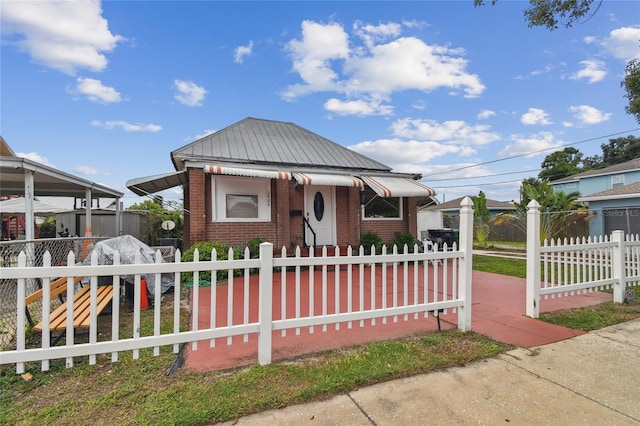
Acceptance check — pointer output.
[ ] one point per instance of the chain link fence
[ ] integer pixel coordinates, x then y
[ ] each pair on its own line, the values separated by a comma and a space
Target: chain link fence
59, 249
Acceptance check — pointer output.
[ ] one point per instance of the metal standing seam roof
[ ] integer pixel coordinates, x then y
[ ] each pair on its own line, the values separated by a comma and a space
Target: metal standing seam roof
268, 142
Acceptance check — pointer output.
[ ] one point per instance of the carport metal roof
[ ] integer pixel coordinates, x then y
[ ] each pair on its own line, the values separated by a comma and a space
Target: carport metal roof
19, 176
47, 181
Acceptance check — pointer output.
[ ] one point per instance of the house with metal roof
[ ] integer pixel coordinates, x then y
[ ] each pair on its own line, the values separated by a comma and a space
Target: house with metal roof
283, 183
613, 193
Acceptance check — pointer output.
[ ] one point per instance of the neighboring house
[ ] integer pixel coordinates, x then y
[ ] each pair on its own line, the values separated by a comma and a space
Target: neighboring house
280, 182
613, 193
617, 208
452, 207
598, 180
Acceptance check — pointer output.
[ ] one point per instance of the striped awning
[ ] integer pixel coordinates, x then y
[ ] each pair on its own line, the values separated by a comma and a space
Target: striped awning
397, 187
237, 171
326, 179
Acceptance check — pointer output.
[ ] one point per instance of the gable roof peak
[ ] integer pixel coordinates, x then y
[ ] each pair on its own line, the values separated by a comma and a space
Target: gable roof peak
276, 143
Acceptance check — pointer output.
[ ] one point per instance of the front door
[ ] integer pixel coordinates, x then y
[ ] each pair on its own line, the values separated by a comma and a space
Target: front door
320, 211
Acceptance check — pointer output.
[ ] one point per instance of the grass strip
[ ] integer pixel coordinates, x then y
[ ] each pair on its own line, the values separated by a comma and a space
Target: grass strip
139, 392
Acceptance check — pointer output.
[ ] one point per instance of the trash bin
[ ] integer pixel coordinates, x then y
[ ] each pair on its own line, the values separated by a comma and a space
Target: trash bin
441, 237
174, 242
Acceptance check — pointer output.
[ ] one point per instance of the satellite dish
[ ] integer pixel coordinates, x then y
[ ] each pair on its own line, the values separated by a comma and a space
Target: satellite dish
168, 225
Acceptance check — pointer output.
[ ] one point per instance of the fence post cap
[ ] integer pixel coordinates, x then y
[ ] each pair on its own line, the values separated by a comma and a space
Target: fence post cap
466, 202
533, 204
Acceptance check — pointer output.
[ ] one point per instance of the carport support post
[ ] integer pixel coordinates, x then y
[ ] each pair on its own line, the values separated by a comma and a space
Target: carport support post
466, 263
265, 304
617, 263
533, 260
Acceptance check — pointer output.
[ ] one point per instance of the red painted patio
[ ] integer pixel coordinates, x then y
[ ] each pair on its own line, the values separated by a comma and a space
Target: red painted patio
498, 307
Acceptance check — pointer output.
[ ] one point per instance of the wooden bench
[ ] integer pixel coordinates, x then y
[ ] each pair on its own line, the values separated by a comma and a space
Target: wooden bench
81, 306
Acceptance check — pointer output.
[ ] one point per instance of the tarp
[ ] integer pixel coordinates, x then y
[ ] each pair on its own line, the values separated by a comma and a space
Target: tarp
17, 206
128, 246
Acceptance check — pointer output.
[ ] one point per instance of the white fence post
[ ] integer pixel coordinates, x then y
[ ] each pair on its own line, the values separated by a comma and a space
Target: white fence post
265, 303
618, 266
533, 260
466, 263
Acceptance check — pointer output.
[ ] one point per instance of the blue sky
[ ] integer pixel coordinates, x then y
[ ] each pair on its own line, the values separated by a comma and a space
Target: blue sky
470, 97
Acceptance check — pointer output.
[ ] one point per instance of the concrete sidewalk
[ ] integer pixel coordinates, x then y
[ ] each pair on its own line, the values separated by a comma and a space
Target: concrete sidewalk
589, 379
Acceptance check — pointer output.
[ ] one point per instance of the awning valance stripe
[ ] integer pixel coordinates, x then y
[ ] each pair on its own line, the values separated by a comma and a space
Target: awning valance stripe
237, 171
397, 187
326, 179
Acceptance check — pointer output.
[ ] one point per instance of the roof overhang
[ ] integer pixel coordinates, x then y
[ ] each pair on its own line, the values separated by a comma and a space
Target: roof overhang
327, 179
397, 187
152, 184
47, 181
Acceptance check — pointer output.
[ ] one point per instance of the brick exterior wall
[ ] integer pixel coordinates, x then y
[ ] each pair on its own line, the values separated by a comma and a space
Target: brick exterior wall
348, 215
284, 229
196, 206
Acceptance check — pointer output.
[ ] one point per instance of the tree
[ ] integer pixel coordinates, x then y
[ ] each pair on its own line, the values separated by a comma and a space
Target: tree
550, 13
481, 220
157, 214
631, 84
620, 150
560, 210
561, 164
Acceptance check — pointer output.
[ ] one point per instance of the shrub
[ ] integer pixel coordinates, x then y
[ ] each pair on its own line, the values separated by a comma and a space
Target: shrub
204, 252
369, 239
402, 238
254, 246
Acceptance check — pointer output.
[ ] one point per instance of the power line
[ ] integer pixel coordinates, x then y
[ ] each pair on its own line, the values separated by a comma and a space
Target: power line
484, 176
479, 184
538, 151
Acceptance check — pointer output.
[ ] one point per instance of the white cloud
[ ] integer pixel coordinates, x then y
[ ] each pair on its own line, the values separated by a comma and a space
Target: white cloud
312, 55
63, 35
188, 93
242, 51
326, 59
359, 107
404, 155
485, 114
530, 146
206, 132
535, 116
371, 34
453, 131
127, 127
593, 71
95, 91
588, 114
623, 43
87, 170
34, 156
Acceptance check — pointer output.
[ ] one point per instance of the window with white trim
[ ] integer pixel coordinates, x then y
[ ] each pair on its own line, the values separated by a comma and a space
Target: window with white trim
240, 199
617, 180
376, 207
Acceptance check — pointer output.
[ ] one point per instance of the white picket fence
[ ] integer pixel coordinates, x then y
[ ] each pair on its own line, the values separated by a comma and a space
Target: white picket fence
566, 267
419, 283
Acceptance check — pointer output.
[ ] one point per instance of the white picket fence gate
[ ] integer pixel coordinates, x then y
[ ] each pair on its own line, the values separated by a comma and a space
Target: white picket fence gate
443, 284
566, 267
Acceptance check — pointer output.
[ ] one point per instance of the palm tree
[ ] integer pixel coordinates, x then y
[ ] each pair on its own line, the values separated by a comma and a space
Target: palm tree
560, 210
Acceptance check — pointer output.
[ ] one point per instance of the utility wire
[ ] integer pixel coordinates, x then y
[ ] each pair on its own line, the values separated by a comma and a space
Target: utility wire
536, 152
484, 176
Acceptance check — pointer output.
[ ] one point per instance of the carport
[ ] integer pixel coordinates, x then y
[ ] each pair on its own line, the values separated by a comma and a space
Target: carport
23, 177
